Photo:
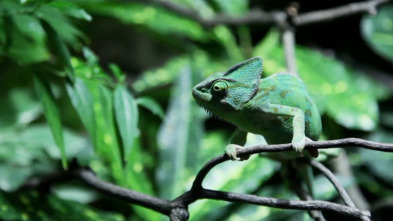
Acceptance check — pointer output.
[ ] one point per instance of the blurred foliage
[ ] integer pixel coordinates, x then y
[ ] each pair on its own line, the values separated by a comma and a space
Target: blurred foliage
378, 31
143, 131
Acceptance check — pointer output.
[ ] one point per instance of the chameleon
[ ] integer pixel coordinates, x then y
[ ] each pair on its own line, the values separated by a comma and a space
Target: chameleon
277, 107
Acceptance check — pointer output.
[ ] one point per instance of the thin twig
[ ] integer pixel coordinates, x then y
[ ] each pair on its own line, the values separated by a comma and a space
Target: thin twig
338, 12
303, 195
283, 204
256, 16
340, 189
347, 142
296, 185
342, 167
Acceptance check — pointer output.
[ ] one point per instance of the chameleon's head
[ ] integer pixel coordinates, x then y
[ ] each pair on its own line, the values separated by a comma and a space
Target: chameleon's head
224, 93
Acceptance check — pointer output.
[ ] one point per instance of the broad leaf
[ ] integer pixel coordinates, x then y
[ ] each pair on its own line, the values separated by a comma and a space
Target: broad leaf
52, 114
71, 9
151, 105
33, 205
82, 101
179, 139
377, 30
330, 83
126, 113
154, 18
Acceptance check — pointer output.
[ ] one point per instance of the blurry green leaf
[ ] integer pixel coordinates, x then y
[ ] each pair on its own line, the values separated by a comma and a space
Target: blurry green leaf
126, 113
137, 179
151, 105
74, 193
180, 138
107, 143
120, 76
18, 107
35, 143
173, 137
21, 48
51, 114
32, 206
90, 57
377, 30
228, 41
60, 24
30, 27
61, 50
12, 177
71, 9
233, 7
330, 83
153, 18
82, 101
200, 60
379, 162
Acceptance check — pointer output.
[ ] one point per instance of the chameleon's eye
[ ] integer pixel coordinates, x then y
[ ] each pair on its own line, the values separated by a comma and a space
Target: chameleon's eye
220, 88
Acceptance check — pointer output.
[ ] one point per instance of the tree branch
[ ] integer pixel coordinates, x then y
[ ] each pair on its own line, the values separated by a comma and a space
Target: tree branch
347, 142
177, 208
330, 176
338, 12
256, 16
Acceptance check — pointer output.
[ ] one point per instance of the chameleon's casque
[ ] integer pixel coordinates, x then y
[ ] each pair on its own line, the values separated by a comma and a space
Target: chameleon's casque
277, 107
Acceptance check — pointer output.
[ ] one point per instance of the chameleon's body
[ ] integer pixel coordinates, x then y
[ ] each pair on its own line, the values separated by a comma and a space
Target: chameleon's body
277, 107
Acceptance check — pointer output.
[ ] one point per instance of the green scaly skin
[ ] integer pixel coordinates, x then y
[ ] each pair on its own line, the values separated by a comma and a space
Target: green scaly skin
277, 107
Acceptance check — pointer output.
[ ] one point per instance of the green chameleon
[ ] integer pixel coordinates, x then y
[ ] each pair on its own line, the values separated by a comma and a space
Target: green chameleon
277, 107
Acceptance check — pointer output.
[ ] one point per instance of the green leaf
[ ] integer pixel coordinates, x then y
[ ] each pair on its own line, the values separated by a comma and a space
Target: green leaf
61, 50
233, 7
169, 72
82, 100
136, 177
33, 205
369, 158
19, 107
30, 27
150, 17
71, 9
52, 114
60, 24
173, 137
180, 138
377, 30
120, 76
11, 177
23, 49
152, 105
126, 113
330, 83
107, 143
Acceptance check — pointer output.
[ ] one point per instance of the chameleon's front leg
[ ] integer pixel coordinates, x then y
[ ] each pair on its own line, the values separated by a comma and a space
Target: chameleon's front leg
238, 141
298, 124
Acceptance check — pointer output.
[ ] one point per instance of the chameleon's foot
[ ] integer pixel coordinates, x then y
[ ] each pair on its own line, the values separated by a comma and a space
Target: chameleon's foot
299, 144
232, 149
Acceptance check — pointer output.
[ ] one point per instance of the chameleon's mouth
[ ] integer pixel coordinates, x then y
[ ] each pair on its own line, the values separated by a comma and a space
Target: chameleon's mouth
201, 94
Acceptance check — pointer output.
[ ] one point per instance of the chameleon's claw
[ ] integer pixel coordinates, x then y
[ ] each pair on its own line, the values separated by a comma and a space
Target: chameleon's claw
232, 149
299, 144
